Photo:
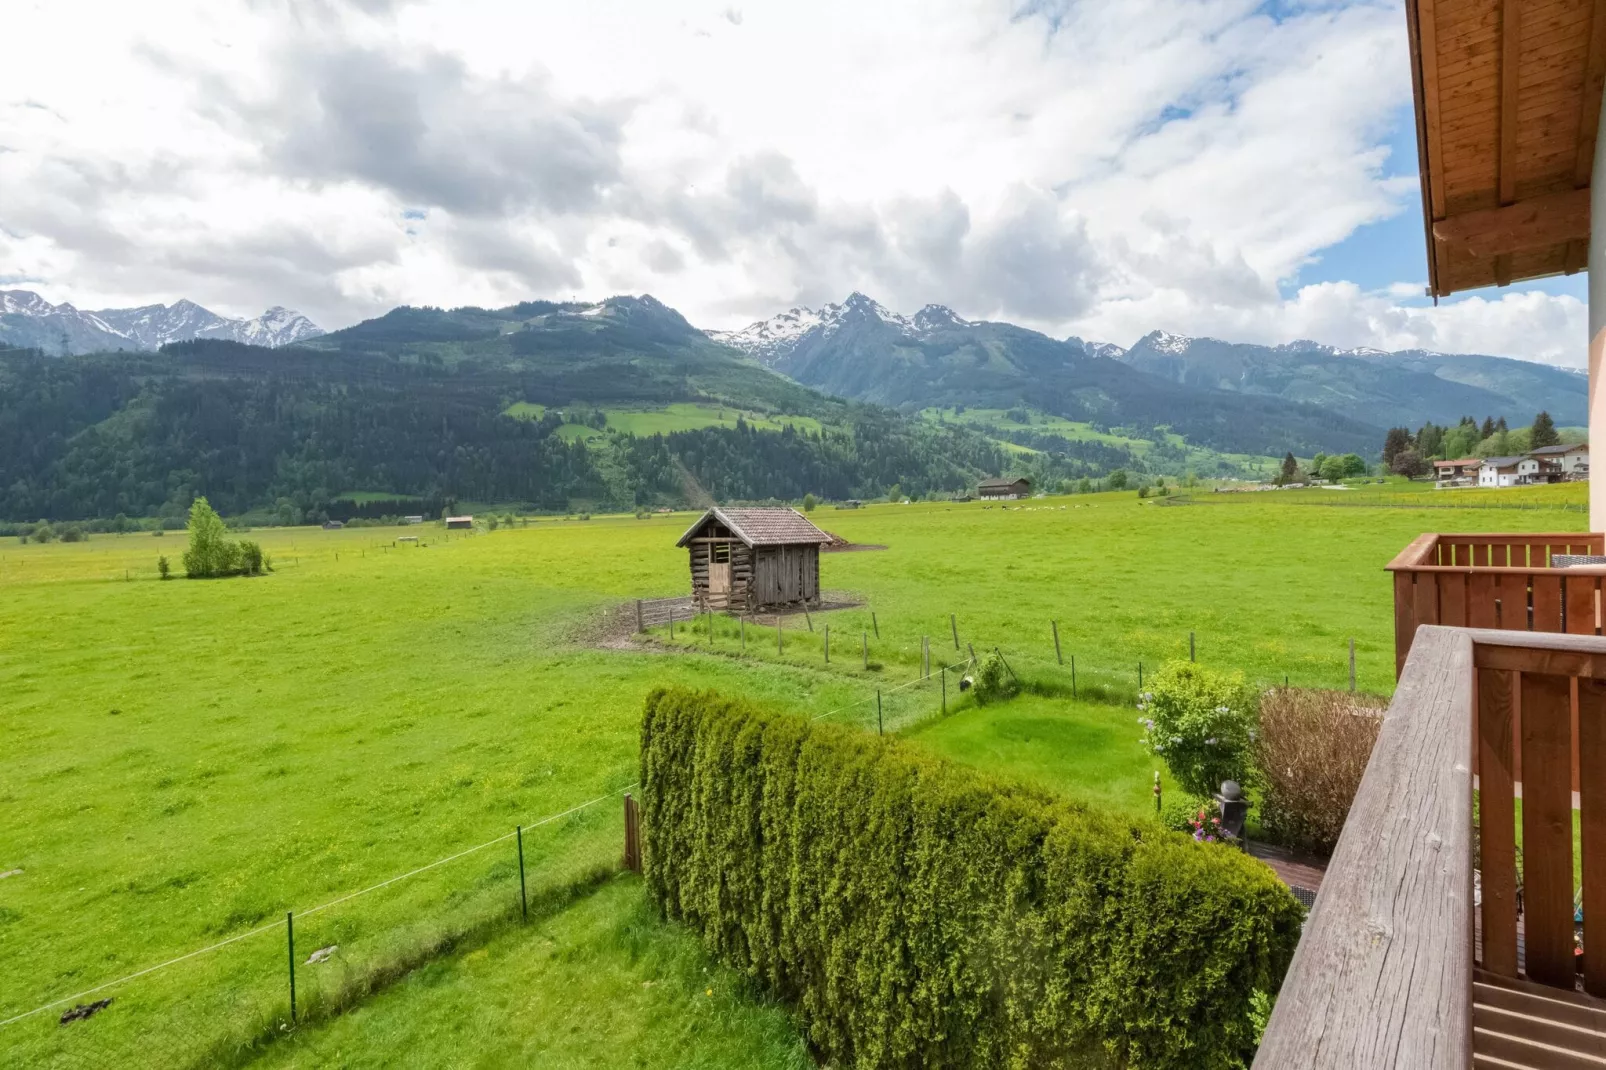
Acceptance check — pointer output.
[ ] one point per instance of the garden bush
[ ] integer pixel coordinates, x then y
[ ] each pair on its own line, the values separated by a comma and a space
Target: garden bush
1202, 722
917, 913
993, 680
1310, 753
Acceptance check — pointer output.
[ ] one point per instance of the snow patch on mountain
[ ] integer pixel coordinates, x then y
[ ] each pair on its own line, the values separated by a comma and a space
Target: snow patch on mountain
153, 326
770, 340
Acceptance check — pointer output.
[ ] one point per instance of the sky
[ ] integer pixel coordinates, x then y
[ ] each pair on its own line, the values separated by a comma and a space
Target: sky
1204, 167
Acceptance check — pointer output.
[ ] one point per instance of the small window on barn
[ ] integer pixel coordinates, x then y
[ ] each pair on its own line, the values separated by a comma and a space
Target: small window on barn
722, 553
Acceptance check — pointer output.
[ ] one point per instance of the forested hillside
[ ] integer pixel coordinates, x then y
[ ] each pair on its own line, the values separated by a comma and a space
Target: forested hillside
297, 429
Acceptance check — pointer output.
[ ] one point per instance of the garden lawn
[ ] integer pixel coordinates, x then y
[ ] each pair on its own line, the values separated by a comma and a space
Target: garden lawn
1088, 752
185, 761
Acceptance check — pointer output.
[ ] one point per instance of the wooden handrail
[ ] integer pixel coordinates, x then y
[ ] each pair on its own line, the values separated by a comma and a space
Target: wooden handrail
1415, 553
1383, 973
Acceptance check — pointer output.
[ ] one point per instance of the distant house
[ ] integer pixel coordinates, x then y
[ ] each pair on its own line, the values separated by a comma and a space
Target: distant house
851, 503
1565, 461
1453, 471
1003, 489
412, 520
332, 525
751, 559
459, 523
1499, 472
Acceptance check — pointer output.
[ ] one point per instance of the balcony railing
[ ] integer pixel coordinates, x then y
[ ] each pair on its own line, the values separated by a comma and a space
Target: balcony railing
1494, 581
1397, 967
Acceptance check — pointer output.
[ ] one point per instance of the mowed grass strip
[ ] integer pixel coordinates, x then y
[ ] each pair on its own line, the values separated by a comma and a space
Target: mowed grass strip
369, 707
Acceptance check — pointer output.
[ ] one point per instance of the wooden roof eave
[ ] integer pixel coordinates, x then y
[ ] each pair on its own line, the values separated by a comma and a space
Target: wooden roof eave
1423, 158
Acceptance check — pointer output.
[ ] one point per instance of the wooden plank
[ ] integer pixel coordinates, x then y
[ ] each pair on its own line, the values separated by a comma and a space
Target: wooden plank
1546, 602
1483, 590
1594, 83
1510, 52
1416, 552
1560, 662
1580, 605
1453, 599
1547, 828
1404, 619
1535, 223
1425, 601
1382, 975
1592, 819
1425, 97
1497, 821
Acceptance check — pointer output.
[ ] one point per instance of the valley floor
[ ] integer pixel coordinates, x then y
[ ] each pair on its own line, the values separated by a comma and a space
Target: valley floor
186, 761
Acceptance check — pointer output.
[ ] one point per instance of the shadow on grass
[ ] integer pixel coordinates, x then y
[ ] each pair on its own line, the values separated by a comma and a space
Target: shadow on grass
243, 1046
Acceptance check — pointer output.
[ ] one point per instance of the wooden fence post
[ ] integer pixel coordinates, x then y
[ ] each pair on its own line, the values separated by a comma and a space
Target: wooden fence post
954, 624
1058, 656
744, 634
827, 644
874, 625
865, 636
1190, 647
632, 860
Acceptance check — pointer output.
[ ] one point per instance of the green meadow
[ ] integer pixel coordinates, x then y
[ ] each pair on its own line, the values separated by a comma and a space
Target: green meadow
663, 419
185, 761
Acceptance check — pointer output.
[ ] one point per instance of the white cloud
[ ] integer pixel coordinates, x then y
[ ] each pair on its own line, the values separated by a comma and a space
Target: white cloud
1090, 167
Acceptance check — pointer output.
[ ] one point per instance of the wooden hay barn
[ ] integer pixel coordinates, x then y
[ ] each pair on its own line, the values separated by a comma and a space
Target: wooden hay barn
745, 560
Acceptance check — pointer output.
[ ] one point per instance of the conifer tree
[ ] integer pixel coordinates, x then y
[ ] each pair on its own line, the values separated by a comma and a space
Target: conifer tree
1544, 432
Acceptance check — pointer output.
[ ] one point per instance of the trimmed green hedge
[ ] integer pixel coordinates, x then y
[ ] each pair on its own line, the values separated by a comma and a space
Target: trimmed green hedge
920, 914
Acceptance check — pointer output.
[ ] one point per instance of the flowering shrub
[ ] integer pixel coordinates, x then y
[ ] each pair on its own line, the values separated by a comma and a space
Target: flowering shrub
1202, 722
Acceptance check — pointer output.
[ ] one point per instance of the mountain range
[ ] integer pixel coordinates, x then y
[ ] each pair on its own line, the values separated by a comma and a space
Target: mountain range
29, 321
516, 404
860, 349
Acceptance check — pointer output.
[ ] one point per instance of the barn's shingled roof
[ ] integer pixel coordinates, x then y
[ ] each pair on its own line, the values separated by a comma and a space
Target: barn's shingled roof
761, 527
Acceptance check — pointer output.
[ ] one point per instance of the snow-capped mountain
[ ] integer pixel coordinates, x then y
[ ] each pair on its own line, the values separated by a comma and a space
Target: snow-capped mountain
278, 326
28, 320
774, 339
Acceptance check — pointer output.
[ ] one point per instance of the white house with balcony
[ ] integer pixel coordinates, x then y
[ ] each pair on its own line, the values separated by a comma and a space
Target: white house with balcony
1501, 471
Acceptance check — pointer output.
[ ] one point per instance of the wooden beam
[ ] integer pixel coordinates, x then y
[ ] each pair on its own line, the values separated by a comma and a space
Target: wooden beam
1594, 83
1535, 223
1423, 37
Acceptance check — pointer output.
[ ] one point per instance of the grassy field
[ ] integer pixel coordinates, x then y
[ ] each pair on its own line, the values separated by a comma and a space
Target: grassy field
679, 416
188, 760
1204, 461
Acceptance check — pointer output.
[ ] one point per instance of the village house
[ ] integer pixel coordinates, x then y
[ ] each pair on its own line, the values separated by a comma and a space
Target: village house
1464, 470
1003, 489
459, 523
744, 560
1499, 471
1569, 460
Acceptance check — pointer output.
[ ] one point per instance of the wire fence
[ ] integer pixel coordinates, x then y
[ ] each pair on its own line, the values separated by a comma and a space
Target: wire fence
249, 998
870, 650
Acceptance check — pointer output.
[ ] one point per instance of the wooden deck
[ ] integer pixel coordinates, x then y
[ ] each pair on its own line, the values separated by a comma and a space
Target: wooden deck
1397, 967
